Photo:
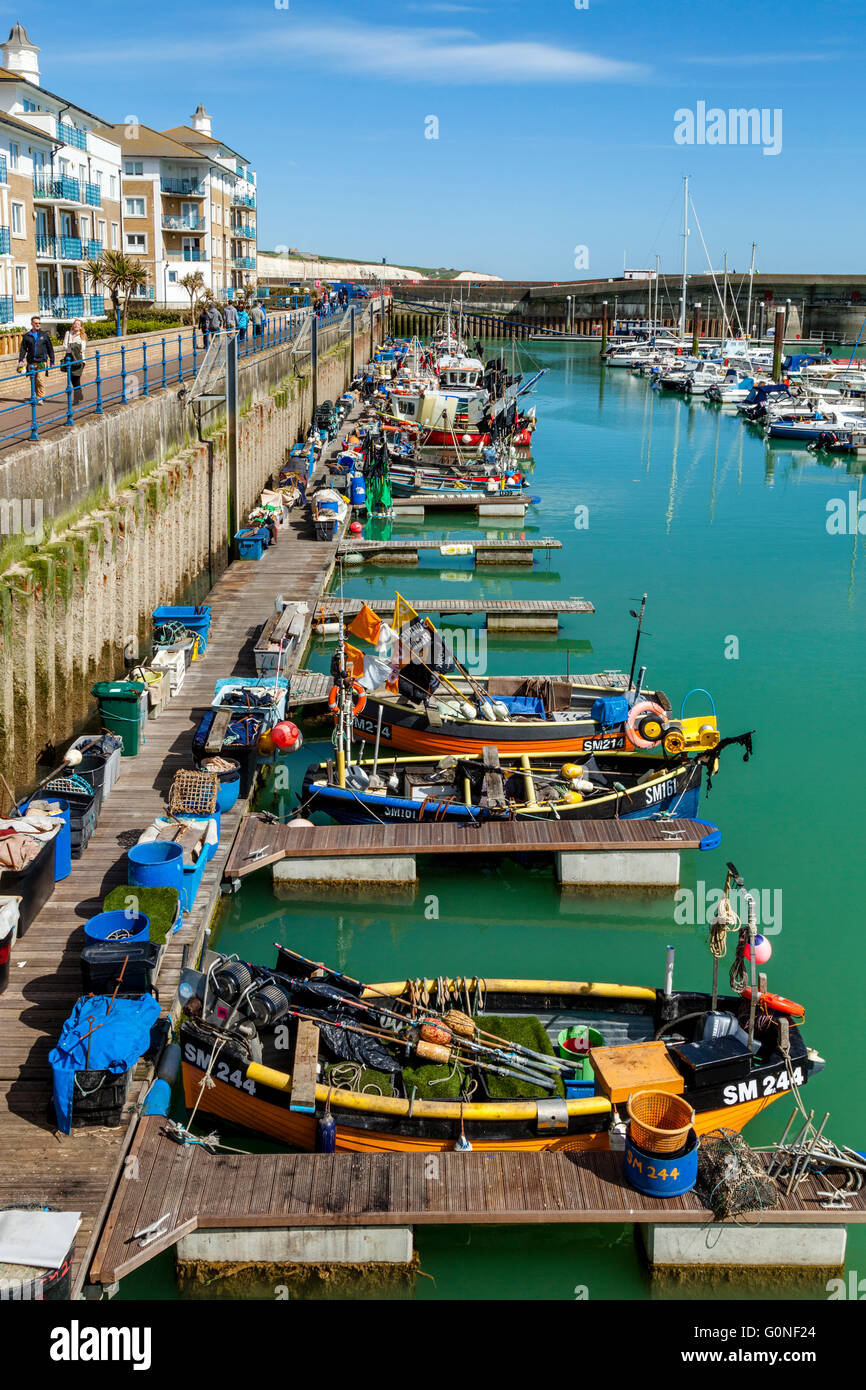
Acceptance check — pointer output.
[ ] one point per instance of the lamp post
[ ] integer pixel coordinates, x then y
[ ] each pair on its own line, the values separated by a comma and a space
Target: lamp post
568, 313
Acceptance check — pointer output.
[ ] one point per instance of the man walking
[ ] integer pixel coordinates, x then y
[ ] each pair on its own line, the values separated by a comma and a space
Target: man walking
204, 324
257, 315
36, 355
231, 317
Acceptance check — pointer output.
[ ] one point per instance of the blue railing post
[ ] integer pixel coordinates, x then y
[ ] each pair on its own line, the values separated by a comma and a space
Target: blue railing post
163, 363
69, 415
144, 390
193, 353
99, 409
34, 426
180, 357
123, 374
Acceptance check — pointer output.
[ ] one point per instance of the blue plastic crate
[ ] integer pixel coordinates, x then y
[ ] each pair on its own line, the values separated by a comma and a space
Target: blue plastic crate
251, 543
196, 619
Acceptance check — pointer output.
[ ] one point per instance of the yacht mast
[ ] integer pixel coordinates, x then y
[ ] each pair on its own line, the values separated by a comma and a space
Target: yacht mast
751, 278
685, 254
725, 332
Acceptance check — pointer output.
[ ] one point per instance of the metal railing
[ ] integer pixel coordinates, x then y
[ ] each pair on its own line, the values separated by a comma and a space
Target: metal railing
7, 309
66, 189
188, 187
70, 136
243, 229
2, 168
135, 368
5, 243
244, 262
187, 253
68, 248
172, 223
243, 200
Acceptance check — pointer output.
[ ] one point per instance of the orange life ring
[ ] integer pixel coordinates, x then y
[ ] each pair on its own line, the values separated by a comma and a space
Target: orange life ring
645, 724
777, 1003
334, 698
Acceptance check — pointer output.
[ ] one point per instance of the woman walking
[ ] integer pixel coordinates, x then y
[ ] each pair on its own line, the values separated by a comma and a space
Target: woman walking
74, 357
243, 323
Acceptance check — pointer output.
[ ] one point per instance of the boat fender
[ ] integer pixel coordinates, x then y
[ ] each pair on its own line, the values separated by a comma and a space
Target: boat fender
468, 711
501, 710
486, 710
777, 1003
645, 723
169, 1063
359, 692
326, 1134
157, 1099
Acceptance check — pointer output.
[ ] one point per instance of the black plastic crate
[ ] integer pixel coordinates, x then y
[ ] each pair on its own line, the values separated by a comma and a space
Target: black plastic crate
34, 884
98, 1097
102, 962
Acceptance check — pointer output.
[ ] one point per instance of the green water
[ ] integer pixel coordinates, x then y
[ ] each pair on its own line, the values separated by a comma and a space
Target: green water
729, 538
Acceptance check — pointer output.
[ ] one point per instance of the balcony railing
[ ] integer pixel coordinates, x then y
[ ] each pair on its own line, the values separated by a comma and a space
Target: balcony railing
47, 246
62, 306
7, 309
172, 223
2, 168
188, 187
93, 195
97, 305
70, 136
243, 229
244, 262
66, 189
189, 253
243, 200
5, 244
68, 248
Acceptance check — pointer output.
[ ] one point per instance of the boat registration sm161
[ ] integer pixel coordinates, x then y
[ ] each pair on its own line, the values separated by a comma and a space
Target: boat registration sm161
771, 1085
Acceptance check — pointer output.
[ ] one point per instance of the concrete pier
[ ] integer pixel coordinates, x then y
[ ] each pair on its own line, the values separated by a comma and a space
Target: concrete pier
381, 874
722, 1247
611, 871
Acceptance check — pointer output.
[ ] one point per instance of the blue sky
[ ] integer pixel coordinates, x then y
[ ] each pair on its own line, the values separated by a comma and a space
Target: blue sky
555, 124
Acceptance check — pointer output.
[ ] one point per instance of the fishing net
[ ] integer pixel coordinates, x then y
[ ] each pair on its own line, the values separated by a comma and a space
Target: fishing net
731, 1178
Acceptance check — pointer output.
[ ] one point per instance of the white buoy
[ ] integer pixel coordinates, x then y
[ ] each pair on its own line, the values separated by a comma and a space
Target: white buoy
73, 756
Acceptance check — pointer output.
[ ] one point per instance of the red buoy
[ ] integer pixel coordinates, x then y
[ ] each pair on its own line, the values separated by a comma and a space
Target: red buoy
286, 736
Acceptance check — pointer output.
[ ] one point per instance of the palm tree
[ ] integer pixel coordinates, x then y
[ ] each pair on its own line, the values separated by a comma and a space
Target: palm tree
192, 282
121, 275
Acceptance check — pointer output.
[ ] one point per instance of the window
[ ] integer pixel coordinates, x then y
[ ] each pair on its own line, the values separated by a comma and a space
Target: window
17, 218
100, 231
115, 236
134, 168
214, 246
97, 176
134, 207
21, 288
172, 277
112, 186
14, 153
136, 241
30, 105
82, 174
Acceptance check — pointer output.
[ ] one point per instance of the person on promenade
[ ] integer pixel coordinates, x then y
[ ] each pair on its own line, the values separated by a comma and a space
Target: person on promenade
243, 323
74, 357
257, 316
216, 319
231, 317
36, 355
204, 324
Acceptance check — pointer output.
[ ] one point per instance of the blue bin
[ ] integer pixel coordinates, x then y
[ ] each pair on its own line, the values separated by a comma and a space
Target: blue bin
158, 864
358, 491
662, 1175
197, 619
252, 542
118, 926
62, 840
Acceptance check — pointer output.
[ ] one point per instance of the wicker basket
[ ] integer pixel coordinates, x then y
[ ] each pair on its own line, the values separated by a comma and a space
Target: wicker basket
660, 1122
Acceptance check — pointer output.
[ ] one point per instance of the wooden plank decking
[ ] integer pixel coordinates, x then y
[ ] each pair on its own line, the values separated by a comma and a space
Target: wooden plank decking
356, 545
194, 1189
500, 607
76, 1172
261, 841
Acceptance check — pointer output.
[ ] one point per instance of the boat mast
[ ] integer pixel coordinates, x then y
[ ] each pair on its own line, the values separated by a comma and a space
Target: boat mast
749, 308
685, 254
725, 325
656, 309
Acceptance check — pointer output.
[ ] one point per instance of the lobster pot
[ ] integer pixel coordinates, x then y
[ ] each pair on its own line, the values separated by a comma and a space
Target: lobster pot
662, 1175
658, 1121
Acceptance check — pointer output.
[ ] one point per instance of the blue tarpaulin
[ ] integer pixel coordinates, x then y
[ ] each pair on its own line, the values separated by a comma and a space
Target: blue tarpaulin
115, 1046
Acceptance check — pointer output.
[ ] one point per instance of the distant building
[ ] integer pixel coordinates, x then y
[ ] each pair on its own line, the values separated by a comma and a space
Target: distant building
59, 193
189, 203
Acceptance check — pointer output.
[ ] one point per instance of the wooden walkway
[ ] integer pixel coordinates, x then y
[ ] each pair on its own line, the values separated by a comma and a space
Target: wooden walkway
261, 841
191, 1189
76, 1172
448, 607
357, 545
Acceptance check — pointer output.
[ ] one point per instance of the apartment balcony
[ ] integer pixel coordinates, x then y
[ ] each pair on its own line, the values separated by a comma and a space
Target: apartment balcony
5, 244
244, 262
70, 136
7, 309
172, 223
97, 305
188, 253
64, 190
243, 229
243, 200
93, 195
62, 306
68, 248
2, 168
188, 188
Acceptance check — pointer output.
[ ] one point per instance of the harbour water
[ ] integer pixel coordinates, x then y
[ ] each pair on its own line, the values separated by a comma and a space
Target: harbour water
751, 597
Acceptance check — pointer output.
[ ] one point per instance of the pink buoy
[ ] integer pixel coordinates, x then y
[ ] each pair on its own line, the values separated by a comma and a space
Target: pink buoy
763, 950
286, 736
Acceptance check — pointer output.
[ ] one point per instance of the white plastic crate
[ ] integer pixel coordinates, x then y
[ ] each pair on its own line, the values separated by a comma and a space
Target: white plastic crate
172, 662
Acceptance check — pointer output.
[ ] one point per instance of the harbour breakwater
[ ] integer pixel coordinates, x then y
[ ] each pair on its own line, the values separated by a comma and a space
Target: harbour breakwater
134, 513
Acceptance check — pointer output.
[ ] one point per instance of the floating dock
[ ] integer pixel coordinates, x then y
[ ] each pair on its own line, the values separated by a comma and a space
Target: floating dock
500, 614
486, 504
520, 551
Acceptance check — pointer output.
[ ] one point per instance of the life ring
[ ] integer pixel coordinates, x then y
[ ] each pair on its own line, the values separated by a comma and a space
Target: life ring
359, 691
645, 724
777, 1003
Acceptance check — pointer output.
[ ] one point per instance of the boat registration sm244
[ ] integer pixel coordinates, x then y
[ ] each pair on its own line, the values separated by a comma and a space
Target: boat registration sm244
770, 1086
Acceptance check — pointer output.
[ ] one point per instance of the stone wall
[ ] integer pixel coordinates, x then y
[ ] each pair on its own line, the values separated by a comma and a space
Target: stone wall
69, 609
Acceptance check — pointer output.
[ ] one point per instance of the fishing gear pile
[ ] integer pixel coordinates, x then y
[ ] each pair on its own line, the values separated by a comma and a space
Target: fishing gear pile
731, 1178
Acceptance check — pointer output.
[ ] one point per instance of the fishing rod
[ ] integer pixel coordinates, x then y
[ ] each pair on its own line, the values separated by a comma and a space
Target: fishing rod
554, 1062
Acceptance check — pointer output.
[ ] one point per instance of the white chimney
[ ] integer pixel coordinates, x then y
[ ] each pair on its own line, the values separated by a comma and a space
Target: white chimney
19, 54
201, 120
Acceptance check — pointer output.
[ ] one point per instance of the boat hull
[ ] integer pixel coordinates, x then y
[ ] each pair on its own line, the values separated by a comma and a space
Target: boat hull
410, 731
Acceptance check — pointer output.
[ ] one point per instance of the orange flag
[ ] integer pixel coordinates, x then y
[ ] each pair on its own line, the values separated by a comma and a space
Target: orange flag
367, 625
354, 661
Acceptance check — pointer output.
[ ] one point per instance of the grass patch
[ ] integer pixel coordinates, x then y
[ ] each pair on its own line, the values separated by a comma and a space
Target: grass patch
380, 1080
528, 1031
433, 1083
159, 904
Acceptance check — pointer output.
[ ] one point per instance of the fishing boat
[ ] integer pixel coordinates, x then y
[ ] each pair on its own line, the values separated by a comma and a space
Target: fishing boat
329, 510
312, 1057
613, 786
